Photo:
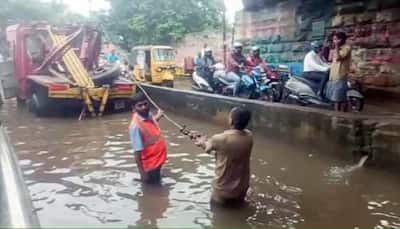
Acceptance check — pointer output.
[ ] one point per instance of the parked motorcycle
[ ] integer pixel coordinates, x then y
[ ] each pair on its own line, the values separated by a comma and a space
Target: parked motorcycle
250, 88
278, 73
304, 92
257, 86
271, 86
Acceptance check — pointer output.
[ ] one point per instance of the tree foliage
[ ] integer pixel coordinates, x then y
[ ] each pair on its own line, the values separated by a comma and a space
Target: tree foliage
161, 21
15, 11
18, 11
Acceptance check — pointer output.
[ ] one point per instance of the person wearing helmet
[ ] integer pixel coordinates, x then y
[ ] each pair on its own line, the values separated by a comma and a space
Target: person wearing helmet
236, 62
236, 59
315, 69
208, 59
254, 60
206, 68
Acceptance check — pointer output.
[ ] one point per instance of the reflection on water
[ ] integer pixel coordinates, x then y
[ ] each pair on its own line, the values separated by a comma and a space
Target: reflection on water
83, 174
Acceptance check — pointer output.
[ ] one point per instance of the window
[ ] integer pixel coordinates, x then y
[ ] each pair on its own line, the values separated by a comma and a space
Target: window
34, 48
11, 47
163, 54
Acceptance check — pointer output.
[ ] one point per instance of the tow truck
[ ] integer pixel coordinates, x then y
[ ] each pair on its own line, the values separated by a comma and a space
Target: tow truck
59, 66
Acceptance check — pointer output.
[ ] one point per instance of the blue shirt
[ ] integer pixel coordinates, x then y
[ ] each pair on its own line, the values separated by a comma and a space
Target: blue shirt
112, 58
136, 136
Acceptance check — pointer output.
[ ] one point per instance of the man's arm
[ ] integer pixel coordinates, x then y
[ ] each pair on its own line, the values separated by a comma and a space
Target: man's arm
139, 163
208, 144
232, 63
137, 145
317, 64
159, 115
342, 53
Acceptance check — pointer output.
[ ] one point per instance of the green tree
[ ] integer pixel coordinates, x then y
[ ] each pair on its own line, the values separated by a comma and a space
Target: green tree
15, 11
161, 21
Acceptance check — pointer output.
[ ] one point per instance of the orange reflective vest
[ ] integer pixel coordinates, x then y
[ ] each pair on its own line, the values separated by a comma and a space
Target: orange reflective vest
154, 153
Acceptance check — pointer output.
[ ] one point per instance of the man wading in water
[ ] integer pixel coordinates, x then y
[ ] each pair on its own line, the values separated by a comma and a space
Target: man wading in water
232, 151
148, 144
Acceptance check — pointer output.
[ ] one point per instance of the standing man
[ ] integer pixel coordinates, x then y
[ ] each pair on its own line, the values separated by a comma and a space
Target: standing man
232, 150
147, 143
112, 57
340, 69
315, 69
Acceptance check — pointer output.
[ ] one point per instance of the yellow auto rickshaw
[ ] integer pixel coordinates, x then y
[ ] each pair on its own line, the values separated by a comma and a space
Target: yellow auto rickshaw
154, 64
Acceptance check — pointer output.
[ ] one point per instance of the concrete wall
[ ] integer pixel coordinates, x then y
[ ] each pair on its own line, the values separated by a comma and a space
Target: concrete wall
343, 134
193, 43
284, 29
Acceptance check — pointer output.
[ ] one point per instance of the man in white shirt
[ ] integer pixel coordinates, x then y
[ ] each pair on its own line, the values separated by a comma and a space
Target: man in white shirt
315, 69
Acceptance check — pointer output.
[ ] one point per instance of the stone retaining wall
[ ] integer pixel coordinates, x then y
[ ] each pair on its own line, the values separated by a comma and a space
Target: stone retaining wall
283, 30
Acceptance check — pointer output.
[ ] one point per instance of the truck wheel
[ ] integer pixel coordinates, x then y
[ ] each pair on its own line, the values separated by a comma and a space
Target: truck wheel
39, 103
20, 102
168, 83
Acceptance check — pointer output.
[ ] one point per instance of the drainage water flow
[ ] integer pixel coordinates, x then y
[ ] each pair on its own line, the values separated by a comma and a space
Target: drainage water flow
360, 164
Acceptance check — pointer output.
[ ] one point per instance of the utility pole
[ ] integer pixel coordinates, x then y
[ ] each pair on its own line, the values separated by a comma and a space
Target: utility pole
224, 33
90, 8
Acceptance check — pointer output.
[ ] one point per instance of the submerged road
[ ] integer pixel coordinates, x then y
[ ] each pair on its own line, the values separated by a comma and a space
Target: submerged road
80, 174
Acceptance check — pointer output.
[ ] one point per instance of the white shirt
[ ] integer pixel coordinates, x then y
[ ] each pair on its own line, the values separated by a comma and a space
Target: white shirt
313, 63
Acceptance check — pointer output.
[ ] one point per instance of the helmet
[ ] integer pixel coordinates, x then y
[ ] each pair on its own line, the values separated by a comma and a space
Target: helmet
237, 47
316, 45
237, 44
255, 50
207, 52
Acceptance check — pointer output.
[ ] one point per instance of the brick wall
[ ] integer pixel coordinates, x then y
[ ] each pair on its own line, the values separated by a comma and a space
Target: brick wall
283, 30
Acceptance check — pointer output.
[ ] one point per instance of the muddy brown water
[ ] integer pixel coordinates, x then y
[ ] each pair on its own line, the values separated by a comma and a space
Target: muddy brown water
82, 174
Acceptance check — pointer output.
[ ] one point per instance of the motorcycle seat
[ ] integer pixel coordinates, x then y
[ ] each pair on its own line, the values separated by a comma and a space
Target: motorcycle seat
225, 81
310, 83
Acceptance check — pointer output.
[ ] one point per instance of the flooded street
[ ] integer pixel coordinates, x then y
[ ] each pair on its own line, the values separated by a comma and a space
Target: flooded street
82, 174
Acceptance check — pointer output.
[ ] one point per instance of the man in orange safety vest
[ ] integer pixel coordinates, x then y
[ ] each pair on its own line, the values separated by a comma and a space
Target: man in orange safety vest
147, 143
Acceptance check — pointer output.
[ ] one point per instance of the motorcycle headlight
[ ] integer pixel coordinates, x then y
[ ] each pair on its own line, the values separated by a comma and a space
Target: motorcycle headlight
159, 69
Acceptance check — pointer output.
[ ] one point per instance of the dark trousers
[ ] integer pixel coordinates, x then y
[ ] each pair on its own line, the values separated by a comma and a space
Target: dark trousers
154, 176
320, 78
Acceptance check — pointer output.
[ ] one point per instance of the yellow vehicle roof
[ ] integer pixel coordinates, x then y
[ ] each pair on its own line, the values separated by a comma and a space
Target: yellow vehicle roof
147, 47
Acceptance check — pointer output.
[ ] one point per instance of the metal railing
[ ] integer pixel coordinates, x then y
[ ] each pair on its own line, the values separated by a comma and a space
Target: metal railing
16, 205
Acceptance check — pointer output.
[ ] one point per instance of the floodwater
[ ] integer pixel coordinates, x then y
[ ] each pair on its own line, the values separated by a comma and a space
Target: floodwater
82, 174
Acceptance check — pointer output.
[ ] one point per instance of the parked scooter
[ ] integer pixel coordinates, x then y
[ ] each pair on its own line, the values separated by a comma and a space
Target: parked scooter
218, 85
200, 83
303, 92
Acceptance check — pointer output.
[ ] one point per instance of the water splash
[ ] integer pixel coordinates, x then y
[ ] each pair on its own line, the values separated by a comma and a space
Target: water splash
360, 164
